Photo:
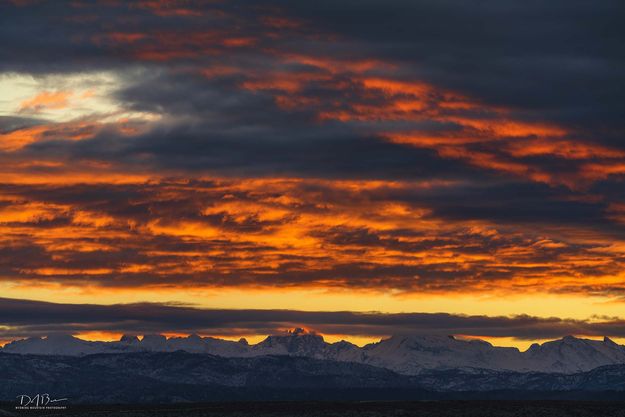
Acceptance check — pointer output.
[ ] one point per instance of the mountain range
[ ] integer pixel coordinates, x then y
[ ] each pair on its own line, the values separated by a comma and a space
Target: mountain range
405, 355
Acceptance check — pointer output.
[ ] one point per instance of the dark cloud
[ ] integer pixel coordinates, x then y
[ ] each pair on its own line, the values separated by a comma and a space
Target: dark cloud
11, 123
557, 62
28, 318
226, 131
561, 59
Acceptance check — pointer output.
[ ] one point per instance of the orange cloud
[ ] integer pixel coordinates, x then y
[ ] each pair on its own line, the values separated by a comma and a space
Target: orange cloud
46, 100
76, 130
267, 233
17, 139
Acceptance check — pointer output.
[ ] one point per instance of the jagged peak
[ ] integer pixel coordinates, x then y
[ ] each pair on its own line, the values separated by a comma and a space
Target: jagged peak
292, 338
300, 331
343, 343
296, 333
129, 338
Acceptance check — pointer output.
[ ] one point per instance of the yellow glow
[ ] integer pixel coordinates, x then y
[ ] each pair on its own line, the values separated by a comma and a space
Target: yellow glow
536, 304
64, 98
540, 305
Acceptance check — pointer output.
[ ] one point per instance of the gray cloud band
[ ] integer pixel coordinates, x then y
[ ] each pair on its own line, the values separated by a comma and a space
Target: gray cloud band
35, 318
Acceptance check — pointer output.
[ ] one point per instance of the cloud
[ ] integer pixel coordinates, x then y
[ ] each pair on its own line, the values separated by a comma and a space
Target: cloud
305, 233
421, 146
35, 318
45, 100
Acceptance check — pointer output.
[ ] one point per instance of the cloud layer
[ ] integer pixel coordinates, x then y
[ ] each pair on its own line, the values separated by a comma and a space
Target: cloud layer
35, 318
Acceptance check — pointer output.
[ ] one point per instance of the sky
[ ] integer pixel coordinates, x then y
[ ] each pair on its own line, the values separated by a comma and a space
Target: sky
357, 168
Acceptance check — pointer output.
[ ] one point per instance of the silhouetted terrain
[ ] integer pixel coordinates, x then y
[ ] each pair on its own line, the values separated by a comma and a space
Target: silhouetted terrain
175, 377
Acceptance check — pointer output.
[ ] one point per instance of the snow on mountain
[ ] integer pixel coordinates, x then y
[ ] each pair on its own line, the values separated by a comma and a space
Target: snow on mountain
302, 343
54, 345
295, 343
71, 346
412, 354
408, 355
570, 354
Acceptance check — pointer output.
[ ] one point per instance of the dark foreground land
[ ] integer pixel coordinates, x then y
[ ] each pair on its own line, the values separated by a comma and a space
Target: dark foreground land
348, 409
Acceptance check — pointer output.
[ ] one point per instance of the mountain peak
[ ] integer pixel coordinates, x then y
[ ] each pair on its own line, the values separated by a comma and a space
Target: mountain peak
130, 339
298, 341
571, 338
298, 331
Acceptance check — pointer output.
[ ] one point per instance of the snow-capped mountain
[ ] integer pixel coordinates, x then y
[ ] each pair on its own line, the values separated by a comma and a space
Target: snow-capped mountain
302, 343
72, 346
412, 354
407, 355
61, 345
570, 355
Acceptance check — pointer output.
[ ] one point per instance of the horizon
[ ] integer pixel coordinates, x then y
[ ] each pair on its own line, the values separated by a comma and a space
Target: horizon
359, 340
257, 339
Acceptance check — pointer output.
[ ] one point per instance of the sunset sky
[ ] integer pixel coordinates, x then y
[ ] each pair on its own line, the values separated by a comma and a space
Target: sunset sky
358, 168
